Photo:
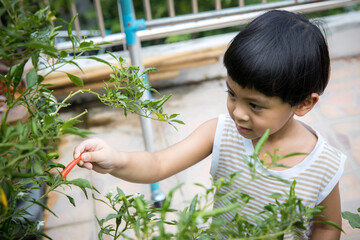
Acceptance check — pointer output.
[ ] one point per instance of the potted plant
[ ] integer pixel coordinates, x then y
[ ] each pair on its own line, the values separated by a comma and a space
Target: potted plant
28, 144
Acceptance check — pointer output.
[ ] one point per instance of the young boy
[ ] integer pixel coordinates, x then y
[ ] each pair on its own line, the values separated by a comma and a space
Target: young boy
277, 68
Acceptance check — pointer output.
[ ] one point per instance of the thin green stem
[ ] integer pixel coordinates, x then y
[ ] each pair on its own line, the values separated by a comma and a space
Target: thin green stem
71, 94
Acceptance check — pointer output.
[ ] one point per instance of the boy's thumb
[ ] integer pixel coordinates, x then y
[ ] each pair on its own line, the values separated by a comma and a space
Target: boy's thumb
91, 156
86, 157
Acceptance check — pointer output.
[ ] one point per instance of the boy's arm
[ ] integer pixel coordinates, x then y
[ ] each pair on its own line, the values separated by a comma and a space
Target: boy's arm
331, 213
146, 167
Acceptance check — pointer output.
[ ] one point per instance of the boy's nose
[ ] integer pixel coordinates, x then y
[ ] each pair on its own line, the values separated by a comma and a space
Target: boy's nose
240, 114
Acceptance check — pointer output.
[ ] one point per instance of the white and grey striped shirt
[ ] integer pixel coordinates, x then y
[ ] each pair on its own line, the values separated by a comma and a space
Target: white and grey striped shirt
315, 176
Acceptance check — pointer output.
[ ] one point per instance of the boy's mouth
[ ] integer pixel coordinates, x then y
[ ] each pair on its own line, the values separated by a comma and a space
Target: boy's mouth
243, 129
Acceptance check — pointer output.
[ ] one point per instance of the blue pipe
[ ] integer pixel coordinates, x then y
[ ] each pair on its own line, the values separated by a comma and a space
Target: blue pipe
131, 25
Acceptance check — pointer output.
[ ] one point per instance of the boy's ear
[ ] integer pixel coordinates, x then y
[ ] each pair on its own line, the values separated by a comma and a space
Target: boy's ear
305, 107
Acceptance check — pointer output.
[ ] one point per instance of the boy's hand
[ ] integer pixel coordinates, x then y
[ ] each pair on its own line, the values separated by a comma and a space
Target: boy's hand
97, 155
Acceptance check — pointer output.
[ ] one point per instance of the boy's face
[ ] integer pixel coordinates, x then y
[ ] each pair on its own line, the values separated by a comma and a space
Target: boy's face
253, 112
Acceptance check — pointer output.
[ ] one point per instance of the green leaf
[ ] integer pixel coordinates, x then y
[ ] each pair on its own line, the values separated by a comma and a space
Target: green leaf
83, 184
100, 60
293, 154
354, 219
38, 168
69, 30
63, 53
220, 210
148, 70
300, 225
173, 116
276, 195
292, 189
52, 155
71, 200
178, 121
31, 78
42, 205
245, 197
24, 146
48, 120
111, 54
76, 80
104, 43
70, 123
5, 147
111, 216
168, 199
76, 131
35, 59
281, 179
54, 165
17, 73
261, 143
76, 64
333, 225
85, 44
120, 192
162, 101
193, 204
51, 54
133, 69
41, 46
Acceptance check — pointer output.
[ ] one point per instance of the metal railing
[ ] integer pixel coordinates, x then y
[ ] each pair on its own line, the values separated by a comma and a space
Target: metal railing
199, 21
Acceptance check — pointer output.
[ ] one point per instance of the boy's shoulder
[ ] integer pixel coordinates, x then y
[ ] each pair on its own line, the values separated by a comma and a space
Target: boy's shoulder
325, 165
329, 157
323, 146
323, 150
326, 168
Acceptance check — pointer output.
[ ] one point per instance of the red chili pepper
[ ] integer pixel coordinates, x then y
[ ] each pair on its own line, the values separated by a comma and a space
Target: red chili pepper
70, 166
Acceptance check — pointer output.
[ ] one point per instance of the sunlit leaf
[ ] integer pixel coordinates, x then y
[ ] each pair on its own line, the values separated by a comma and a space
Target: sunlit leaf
76, 80
354, 219
83, 184
31, 78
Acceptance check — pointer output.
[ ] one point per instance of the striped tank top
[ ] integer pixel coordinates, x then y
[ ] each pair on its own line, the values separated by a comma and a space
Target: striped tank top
315, 176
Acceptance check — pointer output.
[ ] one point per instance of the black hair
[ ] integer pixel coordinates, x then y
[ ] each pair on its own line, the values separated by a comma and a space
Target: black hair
280, 54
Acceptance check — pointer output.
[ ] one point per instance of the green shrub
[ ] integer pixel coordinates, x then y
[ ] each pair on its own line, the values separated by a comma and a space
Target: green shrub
28, 146
133, 217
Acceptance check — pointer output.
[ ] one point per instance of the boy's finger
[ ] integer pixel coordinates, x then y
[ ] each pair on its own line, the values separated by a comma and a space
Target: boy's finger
84, 146
88, 165
76, 153
78, 150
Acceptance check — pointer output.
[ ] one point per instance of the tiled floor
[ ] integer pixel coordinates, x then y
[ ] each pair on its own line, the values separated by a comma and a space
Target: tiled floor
337, 117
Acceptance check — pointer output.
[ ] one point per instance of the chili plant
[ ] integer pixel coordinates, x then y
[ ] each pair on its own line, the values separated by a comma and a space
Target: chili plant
28, 146
135, 218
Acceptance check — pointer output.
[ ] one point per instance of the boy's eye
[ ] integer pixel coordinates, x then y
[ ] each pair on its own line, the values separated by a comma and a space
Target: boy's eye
230, 93
254, 106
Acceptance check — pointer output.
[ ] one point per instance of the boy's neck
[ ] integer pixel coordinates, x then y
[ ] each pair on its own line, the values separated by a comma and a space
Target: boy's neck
295, 137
